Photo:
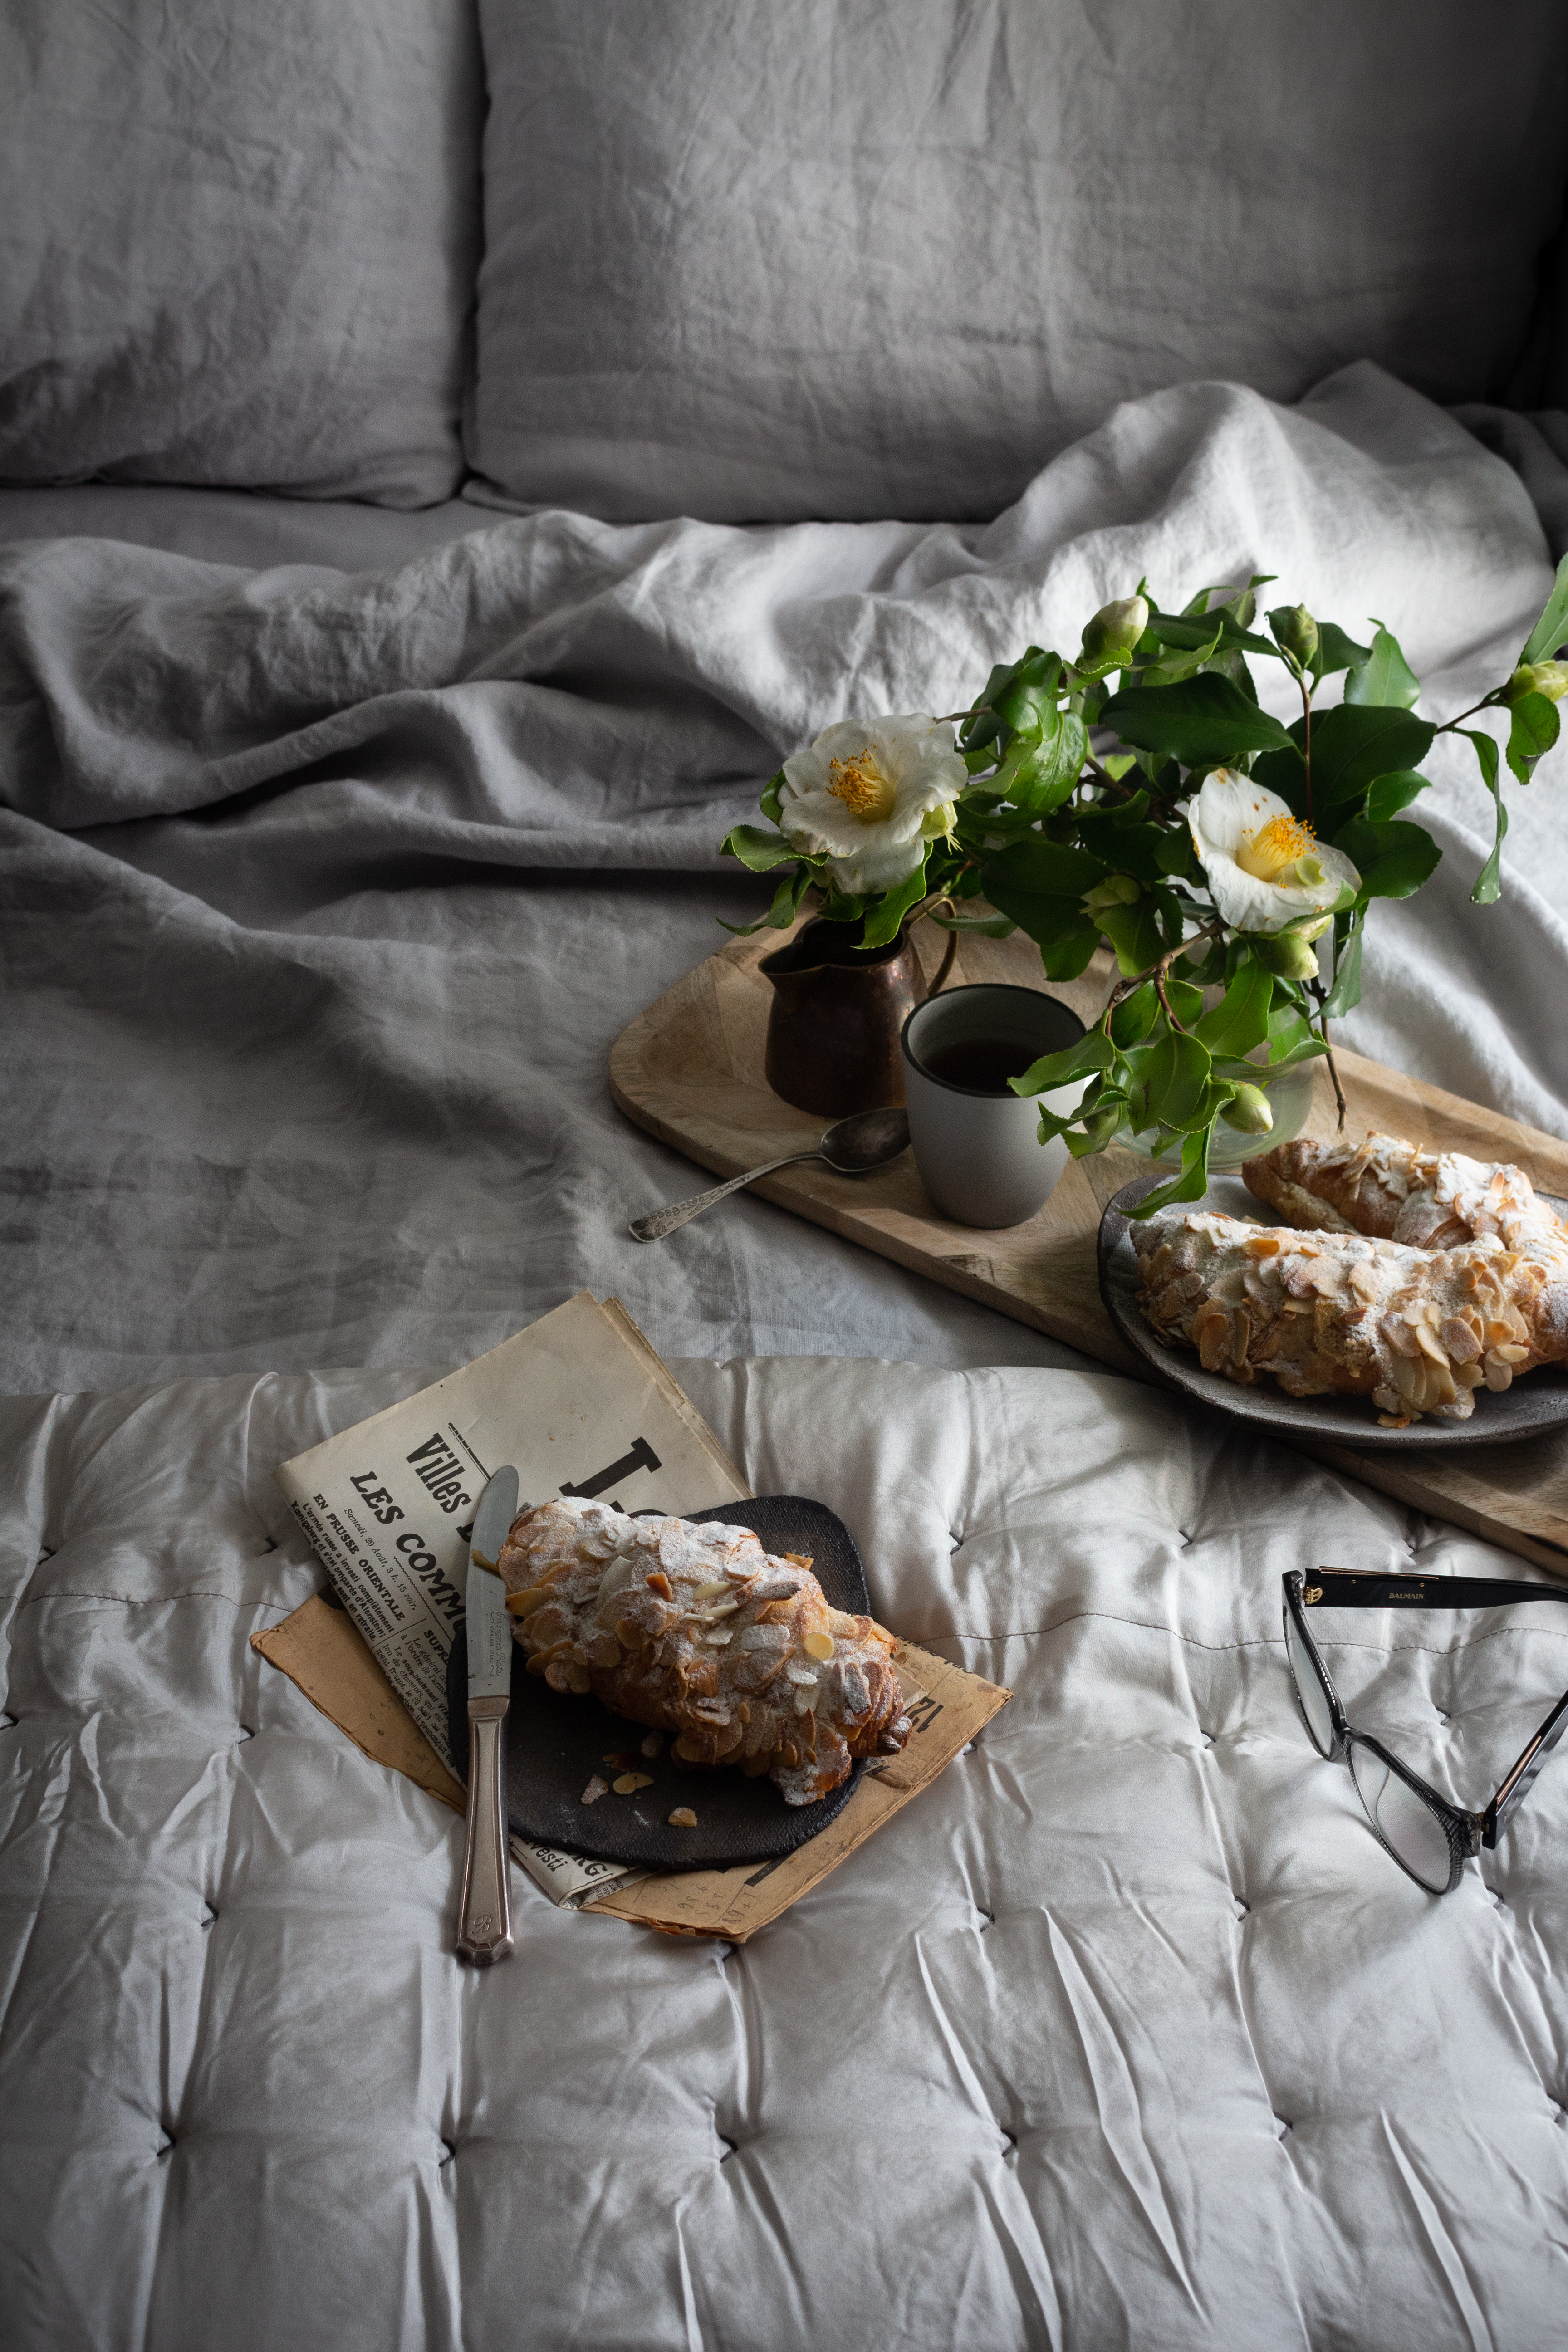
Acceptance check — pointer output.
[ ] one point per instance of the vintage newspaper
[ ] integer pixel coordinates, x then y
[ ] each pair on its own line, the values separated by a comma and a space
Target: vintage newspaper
581, 1404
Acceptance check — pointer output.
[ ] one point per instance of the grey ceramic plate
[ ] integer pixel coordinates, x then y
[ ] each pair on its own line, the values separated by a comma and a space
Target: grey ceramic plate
1529, 1409
556, 1743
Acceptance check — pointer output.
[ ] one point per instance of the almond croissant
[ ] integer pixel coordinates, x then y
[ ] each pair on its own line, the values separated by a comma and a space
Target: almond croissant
1352, 1314
1434, 1199
697, 1630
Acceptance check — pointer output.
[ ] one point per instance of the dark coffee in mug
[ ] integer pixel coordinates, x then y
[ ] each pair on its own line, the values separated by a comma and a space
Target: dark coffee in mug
981, 1064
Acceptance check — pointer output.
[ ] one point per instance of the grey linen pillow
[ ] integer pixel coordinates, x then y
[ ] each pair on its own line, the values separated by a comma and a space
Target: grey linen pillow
237, 243
842, 259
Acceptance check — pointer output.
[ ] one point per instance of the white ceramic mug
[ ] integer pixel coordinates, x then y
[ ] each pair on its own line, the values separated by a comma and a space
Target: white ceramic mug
978, 1149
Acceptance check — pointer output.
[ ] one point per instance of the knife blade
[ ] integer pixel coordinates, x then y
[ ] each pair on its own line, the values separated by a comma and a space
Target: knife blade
484, 1932
489, 1627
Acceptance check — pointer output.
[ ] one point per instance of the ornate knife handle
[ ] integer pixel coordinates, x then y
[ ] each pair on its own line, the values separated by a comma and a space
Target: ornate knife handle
484, 1931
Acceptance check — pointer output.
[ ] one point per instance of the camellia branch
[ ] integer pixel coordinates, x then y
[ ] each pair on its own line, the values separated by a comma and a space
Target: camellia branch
1333, 1071
1156, 972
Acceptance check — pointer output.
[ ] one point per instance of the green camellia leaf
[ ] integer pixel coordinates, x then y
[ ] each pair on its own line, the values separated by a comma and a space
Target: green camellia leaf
1180, 664
1240, 1020
1053, 917
1489, 881
1284, 772
773, 797
1289, 1027
1135, 1016
1040, 771
757, 847
785, 908
1204, 722
1143, 851
1392, 860
1178, 1071
1346, 993
883, 921
1135, 933
983, 726
1190, 1185
1050, 869
1195, 626
1551, 632
1532, 732
1336, 651
1092, 1051
1073, 953
1353, 744
1046, 918
988, 927
1028, 701
1393, 793
1385, 677
1307, 1050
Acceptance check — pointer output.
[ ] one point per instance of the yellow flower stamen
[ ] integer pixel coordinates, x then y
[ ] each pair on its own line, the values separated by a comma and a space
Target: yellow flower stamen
866, 791
1282, 852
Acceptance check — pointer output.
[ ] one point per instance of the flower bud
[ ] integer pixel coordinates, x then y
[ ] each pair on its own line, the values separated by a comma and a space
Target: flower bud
1295, 633
1109, 638
1290, 955
938, 823
1249, 1114
1312, 927
1117, 890
1099, 1126
1547, 677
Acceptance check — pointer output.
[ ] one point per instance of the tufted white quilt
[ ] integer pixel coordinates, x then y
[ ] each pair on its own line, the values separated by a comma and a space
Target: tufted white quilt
1126, 2033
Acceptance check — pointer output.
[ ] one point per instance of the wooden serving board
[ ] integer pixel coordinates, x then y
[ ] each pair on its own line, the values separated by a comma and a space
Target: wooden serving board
690, 1070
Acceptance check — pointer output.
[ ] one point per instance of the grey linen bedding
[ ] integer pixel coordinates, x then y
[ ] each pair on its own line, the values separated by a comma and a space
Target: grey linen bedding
325, 894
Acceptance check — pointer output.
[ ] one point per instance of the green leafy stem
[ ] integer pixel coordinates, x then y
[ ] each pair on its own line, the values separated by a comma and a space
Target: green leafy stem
1072, 828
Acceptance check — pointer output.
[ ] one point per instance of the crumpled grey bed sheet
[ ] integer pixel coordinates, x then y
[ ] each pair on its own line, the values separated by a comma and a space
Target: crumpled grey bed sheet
325, 894
1124, 2035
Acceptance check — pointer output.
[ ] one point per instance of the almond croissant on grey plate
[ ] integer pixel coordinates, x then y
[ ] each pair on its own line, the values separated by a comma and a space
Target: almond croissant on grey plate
1413, 1278
696, 1629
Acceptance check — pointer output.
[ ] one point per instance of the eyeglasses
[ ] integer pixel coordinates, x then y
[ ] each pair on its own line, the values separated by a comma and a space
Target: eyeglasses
1430, 1838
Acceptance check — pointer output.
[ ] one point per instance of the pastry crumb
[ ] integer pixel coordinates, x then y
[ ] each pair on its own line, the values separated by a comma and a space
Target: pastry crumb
683, 1818
652, 1744
629, 1783
593, 1791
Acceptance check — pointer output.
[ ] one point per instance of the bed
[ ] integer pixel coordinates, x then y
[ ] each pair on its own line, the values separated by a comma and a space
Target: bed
367, 726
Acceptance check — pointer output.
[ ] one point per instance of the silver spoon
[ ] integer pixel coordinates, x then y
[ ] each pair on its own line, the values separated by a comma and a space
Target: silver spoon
852, 1147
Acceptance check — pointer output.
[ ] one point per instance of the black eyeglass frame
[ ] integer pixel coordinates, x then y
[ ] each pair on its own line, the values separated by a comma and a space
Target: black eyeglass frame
1348, 1588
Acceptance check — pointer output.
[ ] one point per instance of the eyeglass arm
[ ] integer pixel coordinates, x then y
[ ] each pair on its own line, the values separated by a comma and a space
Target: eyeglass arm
1356, 1587
1523, 1772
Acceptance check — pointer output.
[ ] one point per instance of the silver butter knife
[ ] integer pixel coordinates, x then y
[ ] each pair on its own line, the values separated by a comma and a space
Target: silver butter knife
484, 1928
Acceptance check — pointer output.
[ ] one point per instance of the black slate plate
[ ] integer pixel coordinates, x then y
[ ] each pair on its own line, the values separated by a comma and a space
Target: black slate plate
1529, 1409
556, 1743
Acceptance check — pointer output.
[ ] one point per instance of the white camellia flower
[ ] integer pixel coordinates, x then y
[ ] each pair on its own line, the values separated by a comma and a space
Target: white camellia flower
1265, 868
870, 793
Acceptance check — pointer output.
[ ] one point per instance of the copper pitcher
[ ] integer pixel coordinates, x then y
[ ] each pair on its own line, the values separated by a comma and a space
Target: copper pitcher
837, 1011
